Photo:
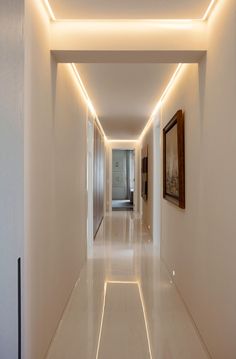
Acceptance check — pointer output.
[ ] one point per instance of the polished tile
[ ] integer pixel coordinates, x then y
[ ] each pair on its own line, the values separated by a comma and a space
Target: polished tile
105, 320
123, 324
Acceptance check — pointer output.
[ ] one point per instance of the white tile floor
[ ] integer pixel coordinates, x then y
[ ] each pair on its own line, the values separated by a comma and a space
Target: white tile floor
144, 319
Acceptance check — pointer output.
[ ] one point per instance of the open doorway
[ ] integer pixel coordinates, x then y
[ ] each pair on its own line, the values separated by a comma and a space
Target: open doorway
123, 181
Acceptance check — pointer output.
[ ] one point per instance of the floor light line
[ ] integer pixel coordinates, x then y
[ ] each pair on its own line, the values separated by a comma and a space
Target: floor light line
101, 324
145, 320
143, 308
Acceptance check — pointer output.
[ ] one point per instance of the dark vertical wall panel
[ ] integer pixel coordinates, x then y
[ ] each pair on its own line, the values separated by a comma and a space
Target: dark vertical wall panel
98, 179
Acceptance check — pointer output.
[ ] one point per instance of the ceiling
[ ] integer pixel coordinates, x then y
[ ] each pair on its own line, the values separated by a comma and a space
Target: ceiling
129, 9
124, 95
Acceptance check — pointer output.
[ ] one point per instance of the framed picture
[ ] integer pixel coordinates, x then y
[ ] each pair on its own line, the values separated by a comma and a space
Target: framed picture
173, 160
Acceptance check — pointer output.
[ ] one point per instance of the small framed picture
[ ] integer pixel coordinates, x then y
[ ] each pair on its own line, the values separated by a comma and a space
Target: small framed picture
173, 160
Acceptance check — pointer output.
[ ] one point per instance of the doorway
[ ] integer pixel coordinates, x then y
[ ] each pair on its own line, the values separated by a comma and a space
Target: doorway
90, 159
123, 180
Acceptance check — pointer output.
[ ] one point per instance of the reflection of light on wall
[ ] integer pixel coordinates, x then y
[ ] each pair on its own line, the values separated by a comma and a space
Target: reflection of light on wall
143, 308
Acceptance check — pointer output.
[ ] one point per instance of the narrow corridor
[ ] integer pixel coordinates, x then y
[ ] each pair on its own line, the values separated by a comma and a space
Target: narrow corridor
125, 304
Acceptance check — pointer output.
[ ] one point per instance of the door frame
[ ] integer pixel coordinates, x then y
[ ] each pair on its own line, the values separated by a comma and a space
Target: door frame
90, 147
123, 146
157, 181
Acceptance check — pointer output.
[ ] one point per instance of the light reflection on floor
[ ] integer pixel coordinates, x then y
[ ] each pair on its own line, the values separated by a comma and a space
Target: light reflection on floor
123, 252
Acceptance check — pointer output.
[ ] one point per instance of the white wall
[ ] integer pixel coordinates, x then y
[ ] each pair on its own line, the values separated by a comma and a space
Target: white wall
55, 184
11, 168
199, 242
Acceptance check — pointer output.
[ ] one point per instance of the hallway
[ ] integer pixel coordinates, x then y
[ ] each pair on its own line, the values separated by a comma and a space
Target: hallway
117, 167
143, 315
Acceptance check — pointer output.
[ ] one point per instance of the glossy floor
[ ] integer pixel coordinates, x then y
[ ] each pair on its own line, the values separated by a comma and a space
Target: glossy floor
125, 304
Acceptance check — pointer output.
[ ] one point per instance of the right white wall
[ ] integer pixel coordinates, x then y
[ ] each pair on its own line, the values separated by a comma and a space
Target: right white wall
199, 243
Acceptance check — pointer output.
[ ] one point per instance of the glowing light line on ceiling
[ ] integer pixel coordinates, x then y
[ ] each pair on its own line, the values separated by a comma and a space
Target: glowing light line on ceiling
160, 22
159, 103
209, 10
123, 141
86, 97
49, 10
182, 23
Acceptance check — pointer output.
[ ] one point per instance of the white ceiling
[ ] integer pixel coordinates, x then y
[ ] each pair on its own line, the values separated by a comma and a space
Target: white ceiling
129, 9
124, 95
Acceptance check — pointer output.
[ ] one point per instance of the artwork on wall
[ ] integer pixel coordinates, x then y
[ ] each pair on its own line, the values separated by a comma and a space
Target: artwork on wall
173, 160
145, 177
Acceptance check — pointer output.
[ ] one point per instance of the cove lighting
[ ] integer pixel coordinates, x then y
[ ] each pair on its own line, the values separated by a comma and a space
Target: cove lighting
49, 10
165, 23
143, 309
182, 23
209, 10
123, 141
84, 92
159, 103
86, 97
76, 75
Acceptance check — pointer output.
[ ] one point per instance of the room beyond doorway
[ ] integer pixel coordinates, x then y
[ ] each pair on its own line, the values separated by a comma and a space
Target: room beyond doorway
123, 180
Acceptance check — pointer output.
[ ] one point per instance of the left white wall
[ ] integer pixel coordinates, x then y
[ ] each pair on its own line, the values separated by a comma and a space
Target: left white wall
11, 168
55, 184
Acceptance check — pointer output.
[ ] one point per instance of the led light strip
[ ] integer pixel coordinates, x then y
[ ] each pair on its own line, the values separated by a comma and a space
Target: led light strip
123, 141
159, 103
143, 308
158, 21
77, 77
86, 97
101, 324
49, 10
209, 10
145, 319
